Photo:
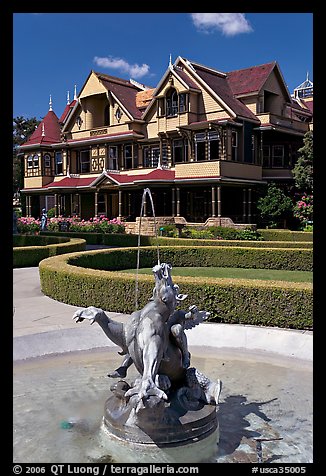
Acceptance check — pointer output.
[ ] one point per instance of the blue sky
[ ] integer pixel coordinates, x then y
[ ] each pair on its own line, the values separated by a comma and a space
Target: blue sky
54, 51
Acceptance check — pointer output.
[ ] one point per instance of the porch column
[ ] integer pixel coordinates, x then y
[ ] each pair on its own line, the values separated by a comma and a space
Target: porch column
56, 204
178, 201
249, 205
213, 202
219, 202
95, 203
79, 210
173, 202
129, 205
244, 205
28, 205
120, 203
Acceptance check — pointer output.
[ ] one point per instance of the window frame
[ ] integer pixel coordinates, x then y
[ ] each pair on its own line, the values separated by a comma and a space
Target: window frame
57, 163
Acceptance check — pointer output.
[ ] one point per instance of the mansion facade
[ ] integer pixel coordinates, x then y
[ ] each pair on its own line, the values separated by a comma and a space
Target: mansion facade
203, 141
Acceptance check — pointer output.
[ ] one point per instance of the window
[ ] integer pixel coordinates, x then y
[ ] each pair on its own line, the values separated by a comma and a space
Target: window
84, 161
47, 160
266, 156
113, 157
152, 156
183, 105
58, 163
234, 143
30, 162
160, 107
179, 151
213, 145
200, 141
128, 156
107, 115
35, 161
207, 140
277, 155
101, 204
172, 103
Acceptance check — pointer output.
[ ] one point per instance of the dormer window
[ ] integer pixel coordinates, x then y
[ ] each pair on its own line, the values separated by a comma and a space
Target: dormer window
172, 103
175, 103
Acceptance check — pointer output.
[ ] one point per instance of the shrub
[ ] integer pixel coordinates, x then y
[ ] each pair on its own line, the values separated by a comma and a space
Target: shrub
32, 252
28, 225
80, 279
286, 235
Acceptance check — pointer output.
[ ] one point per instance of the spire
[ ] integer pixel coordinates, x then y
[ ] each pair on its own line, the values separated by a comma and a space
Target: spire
50, 103
68, 97
43, 130
75, 92
307, 79
170, 62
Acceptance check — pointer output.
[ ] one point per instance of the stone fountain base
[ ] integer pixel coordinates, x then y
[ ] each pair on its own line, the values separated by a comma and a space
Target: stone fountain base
177, 431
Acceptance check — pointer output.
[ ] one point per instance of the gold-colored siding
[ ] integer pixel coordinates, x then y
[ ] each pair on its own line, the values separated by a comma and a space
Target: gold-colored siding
197, 169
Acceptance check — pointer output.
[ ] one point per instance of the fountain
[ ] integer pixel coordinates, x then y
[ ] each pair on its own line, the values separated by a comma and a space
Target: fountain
168, 413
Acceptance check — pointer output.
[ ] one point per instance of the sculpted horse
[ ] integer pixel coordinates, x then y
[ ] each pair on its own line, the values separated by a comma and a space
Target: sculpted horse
153, 339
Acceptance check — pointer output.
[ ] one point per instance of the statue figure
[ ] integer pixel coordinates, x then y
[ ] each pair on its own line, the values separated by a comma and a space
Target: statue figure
44, 219
154, 341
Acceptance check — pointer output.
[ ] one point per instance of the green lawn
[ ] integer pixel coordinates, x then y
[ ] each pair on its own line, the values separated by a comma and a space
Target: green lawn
237, 273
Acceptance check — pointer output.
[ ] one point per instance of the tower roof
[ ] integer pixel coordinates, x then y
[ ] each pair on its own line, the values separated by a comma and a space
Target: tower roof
47, 132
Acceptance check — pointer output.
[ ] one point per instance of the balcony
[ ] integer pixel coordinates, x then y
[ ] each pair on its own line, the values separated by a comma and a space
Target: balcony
283, 122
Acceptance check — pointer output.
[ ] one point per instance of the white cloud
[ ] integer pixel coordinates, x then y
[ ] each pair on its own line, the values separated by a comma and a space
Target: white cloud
230, 24
134, 70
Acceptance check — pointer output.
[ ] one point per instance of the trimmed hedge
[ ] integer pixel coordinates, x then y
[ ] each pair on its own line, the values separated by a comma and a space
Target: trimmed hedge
38, 240
32, 251
223, 256
264, 303
127, 240
286, 235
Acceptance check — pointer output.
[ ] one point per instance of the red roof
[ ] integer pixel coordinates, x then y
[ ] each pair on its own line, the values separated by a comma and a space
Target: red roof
72, 182
249, 80
52, 131
220, 85
309, 104
156, 175
65, 113
124, 90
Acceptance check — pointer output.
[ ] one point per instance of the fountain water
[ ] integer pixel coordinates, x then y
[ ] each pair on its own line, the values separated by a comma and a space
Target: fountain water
145, 193
170, 405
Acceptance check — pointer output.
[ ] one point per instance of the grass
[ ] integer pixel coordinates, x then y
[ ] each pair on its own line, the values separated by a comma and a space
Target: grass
237, 273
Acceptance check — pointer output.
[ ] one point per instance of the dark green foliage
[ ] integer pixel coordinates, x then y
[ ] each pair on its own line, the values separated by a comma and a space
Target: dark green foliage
229, 300
286, 235
127, 240
275, 206
32, 252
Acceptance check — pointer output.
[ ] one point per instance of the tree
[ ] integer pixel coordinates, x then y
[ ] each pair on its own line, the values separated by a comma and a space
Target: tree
22, 129
275, 206
303, 169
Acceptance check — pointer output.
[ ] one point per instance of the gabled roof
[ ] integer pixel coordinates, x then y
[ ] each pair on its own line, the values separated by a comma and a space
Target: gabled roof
125, 92
47, 132
249, 80
220, 85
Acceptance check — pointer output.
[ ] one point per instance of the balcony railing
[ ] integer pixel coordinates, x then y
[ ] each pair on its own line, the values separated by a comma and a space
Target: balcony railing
268, 118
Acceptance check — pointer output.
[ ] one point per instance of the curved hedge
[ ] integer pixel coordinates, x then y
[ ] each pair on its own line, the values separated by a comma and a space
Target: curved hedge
29, 250
116, 239
223, 256
85, 279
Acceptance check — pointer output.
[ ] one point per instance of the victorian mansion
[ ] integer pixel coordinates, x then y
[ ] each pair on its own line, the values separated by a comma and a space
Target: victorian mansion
205, 143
